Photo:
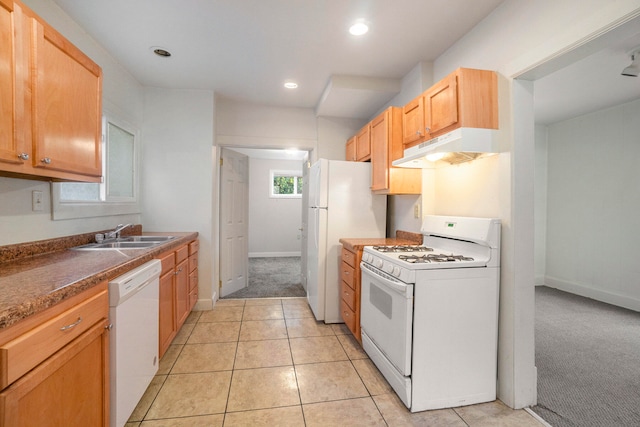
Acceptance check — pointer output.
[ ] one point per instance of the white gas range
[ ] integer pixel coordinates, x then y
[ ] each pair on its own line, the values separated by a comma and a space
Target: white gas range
429, 313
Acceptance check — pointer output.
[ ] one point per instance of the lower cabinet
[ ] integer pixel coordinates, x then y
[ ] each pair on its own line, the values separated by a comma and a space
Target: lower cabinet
193, 273
176, 299
61, 358
350, 290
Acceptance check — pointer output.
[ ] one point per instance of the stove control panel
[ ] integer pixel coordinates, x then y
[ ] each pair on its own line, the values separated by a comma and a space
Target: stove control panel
388, 267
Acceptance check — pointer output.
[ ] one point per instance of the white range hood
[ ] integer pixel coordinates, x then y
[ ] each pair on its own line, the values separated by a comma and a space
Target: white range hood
458, 146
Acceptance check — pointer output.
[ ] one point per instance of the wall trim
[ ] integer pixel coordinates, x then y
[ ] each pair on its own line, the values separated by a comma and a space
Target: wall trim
596, 294
273, 254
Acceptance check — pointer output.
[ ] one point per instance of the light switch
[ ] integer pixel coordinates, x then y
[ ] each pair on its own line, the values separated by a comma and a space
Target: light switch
416, 210
36, 201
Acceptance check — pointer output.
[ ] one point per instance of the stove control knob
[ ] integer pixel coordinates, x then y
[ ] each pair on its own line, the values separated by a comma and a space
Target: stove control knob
378, 263
388, 268
367, 257
396, 271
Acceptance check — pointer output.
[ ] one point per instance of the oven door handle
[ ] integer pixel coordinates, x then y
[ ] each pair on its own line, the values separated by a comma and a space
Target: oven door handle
394, 285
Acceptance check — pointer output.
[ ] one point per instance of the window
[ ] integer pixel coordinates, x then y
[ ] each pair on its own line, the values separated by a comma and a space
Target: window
118, 194
286, 184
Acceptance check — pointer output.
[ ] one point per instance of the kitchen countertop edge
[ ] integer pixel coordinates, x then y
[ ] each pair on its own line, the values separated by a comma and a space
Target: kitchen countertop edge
41, 297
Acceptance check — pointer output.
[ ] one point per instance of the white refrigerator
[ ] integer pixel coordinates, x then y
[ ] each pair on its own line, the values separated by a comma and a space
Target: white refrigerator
340, 205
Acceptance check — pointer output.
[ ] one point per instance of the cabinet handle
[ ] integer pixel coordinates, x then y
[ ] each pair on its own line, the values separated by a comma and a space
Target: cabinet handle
73, 325
23, 156
109, 326
178, 272
46, 160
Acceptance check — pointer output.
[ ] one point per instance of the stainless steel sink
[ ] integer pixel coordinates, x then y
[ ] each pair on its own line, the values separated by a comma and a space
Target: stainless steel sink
130, 242
146, 238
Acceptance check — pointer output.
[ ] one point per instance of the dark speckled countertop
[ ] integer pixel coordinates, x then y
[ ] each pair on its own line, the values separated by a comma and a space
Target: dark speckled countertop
35, 276
402, 238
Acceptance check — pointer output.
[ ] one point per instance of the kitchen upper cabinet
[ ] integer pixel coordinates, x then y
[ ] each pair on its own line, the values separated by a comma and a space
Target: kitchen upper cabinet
441, 105
13, 78
52, 96
413, 128
363, 144
465, 98
350, 150
386, 146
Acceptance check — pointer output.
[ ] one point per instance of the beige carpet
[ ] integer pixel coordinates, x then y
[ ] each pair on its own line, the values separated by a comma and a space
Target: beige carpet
276, 277
588, 360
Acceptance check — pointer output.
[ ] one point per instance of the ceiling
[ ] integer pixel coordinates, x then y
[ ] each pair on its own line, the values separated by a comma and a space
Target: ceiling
247, 49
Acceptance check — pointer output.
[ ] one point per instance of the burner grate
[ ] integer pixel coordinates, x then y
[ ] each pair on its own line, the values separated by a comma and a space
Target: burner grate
402, 248
419, 259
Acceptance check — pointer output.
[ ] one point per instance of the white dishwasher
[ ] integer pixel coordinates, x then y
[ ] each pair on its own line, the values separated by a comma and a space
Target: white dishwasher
133, 311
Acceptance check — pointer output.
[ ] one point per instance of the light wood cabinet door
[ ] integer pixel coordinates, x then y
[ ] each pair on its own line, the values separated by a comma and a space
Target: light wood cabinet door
413, 128
386, 146
182, 292
350, 150
363, 144
167, 312
67, 97
13, 73
71, 388
441, 105
380, 153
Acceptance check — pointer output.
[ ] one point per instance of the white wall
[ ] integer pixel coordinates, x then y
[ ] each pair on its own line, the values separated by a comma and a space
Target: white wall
274, 224
333, 133
593, 203
122, 95
540, 213
177, 173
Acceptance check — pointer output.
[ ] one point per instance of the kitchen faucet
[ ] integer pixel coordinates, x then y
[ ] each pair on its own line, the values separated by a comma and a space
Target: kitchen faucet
116, 233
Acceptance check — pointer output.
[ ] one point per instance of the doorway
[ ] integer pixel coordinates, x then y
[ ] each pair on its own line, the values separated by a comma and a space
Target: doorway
583, 147
273, 245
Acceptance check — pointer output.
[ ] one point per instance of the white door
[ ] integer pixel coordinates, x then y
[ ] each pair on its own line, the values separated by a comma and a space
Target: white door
234, 228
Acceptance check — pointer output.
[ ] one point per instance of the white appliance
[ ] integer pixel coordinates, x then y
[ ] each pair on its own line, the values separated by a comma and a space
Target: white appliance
458, 146
133, 354
340, 205
429, 313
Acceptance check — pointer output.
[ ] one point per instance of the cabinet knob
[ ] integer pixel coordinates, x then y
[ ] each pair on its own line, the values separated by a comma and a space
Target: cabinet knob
23, 156
418, 133
46, 160
427, 129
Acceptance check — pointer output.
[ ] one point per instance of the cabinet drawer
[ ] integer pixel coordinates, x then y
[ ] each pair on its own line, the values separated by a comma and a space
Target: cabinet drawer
22, 354
347, 274
348, 295
182, 253
194, 247
348, 316
193, 262
349, 257
168, 261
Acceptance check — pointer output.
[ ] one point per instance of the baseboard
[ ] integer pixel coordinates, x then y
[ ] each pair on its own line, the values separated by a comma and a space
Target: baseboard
273, 254
596, 294
206, 304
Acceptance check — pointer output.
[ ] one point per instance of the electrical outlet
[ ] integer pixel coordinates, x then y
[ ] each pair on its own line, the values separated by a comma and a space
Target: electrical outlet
36, 201
416, 210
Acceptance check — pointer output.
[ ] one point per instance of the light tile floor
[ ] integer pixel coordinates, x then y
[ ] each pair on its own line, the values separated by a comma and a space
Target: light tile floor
267, 362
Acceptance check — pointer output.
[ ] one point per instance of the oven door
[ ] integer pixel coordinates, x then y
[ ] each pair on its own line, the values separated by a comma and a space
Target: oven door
386, 316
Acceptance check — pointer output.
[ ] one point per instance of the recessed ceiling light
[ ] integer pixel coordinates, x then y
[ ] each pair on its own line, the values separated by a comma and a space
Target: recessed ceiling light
359, 28
160, 51
291, 85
